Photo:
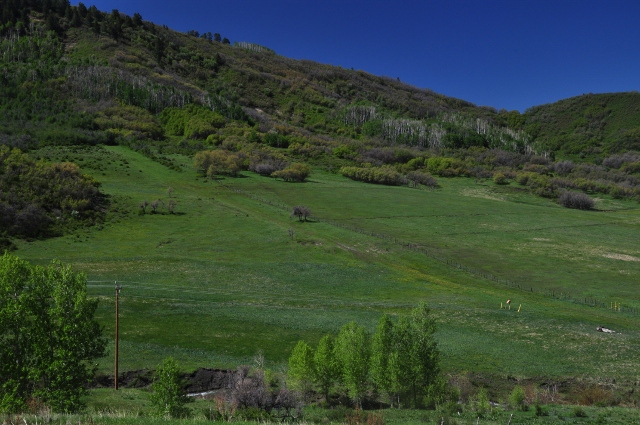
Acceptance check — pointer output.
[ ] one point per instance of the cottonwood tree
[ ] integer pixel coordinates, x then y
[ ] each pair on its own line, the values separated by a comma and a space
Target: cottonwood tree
424, 353
48, 336
381, 348
352, 351
326, 367
301, 369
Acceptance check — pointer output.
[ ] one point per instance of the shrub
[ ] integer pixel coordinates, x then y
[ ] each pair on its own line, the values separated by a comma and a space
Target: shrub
523, 178
217, 162
483, 406
536, 168
576, 200
445, 167
517, 398
541, 411
500, 178
377, 175
417, 178
192, 121
563, 167
579, 412
595, 395
294, 172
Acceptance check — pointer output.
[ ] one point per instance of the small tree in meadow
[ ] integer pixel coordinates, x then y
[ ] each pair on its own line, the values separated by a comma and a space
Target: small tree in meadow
168, 397
301, 212
171, 205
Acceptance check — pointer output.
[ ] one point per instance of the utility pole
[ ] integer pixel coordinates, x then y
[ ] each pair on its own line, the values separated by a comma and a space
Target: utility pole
115, 380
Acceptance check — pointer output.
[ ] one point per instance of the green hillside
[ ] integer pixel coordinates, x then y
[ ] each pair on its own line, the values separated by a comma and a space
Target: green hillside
171, 163
588, 126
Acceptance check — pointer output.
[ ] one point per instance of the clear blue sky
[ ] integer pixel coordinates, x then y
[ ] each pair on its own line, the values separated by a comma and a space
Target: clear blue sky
509, 54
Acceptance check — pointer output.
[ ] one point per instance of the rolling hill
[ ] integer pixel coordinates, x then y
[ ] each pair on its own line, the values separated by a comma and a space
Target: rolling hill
414, 196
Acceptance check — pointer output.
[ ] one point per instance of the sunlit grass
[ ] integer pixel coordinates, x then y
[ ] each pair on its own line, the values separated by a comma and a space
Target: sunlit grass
222, 279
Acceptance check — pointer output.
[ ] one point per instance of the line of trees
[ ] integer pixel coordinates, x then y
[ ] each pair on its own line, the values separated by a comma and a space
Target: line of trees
400, 361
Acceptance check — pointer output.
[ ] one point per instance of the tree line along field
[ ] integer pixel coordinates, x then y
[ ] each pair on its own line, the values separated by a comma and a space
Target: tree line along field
221, 278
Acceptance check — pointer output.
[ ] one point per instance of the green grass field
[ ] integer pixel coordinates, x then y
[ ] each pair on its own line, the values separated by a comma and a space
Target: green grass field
221, 279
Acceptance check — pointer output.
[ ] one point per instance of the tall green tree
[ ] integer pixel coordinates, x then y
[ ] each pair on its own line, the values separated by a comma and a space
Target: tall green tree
353, 351
381, 347
425, 356
400, 361
48, 335
301, 368
326, 366
412, 358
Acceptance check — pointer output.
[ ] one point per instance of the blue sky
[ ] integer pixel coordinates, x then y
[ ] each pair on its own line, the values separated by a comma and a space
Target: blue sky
510, 54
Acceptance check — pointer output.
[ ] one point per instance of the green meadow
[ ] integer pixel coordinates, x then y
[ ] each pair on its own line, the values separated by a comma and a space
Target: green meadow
222, 278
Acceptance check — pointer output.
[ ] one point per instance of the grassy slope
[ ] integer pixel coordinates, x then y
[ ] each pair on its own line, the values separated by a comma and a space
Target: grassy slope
221, 280
588, 124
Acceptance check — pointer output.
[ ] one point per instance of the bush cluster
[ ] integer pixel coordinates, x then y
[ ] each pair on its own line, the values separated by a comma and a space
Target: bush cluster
576, 200
220, 162
378, 175
192, 121
293, 173
35, 195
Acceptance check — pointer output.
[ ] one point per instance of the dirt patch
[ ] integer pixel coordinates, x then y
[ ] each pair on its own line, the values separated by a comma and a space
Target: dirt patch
622, 257
201, 380
482, 194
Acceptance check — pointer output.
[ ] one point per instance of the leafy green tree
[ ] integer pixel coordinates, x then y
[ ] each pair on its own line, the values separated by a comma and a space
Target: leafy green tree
48, 335
301, 370
400, 358
413, 360
326, 366
352, 351
168, 397
381, 347
425, 356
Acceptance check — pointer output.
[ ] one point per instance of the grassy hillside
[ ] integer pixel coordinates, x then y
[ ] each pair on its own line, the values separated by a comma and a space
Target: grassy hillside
466, 212
221, 279
588, 126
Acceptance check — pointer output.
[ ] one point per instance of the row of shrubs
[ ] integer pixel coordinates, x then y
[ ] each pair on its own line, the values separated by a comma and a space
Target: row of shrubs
213, 163
388, 176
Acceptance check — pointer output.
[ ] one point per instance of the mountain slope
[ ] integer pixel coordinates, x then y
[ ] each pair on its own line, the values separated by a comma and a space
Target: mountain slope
590, 124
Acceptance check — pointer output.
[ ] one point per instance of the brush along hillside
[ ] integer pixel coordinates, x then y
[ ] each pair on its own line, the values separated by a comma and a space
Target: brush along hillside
203, 148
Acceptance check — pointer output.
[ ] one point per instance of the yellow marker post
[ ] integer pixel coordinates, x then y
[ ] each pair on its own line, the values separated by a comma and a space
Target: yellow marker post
519, 308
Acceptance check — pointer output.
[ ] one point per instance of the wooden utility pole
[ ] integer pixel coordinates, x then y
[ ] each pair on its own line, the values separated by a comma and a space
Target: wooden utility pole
115, 379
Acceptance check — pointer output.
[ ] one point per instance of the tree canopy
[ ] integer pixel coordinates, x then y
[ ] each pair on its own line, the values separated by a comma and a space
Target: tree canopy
48, 335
